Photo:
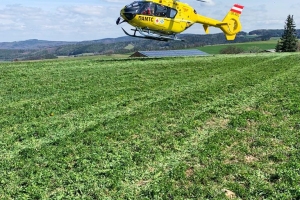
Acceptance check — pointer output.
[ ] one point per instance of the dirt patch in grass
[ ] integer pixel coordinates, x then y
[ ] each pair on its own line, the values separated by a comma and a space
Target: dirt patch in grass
215, 123
250, 159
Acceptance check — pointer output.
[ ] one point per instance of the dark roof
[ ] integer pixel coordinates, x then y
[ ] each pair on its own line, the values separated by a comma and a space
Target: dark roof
169, 53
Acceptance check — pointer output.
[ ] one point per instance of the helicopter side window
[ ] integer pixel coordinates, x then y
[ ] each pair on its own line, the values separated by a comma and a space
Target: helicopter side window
172, 13
161, 11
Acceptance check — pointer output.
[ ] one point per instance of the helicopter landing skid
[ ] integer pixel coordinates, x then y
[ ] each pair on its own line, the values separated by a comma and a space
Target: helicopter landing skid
150, 35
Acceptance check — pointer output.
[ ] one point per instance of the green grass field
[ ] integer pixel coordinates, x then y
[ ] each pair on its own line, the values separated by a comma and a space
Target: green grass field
174, 128
263, 45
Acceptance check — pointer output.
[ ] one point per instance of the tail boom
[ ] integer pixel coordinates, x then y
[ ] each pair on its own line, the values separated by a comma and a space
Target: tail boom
230, 25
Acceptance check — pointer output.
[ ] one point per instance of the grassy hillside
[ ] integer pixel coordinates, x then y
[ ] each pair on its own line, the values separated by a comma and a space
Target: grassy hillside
177, 128
263, 45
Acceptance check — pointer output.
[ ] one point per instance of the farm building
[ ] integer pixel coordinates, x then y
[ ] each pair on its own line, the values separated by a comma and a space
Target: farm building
169, 53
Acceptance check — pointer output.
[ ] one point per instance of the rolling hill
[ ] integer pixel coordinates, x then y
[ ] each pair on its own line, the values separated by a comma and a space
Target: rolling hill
41, 49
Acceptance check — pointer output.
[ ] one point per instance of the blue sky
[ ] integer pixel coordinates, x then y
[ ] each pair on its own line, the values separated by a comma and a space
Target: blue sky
74, 20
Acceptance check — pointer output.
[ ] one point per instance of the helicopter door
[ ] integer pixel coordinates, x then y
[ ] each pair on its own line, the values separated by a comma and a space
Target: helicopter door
161, 11
163, 15
160, 14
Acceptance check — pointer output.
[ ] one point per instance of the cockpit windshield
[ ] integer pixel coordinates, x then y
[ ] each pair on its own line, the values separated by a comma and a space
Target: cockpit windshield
149, 8
134, 4
133, 7
140, 7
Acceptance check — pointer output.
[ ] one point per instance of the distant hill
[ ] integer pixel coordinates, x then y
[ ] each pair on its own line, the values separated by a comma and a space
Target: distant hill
32, 44
270, 32
41, 44
41, 49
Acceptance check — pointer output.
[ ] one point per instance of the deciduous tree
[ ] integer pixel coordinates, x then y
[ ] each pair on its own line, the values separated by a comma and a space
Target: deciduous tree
231, 50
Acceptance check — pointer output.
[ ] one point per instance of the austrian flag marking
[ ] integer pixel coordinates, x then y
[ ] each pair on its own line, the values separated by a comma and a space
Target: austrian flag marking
237, 8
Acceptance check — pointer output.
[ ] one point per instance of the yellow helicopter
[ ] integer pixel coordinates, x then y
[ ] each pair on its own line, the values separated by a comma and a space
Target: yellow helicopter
164, 19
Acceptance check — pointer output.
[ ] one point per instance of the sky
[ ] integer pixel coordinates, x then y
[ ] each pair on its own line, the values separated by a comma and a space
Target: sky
75, 20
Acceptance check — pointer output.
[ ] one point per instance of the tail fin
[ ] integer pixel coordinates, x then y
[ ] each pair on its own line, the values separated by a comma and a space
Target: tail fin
231, 24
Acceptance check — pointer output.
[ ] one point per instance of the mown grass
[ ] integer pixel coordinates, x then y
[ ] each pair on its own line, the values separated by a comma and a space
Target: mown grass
263, 45
176, 128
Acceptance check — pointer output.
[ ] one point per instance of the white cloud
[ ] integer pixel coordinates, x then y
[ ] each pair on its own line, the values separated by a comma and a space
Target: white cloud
65, 23
93, 19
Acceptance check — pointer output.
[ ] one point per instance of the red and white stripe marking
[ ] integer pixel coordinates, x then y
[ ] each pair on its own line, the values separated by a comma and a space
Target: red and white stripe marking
237, 8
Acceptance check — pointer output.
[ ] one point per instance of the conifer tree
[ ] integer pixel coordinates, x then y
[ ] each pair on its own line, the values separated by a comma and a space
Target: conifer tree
278, 46
288, 41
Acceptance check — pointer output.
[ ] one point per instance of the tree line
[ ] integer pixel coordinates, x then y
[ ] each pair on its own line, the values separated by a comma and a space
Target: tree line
287, 43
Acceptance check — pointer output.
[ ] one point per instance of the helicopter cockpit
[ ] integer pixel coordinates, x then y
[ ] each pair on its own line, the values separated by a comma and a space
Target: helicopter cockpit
147, 8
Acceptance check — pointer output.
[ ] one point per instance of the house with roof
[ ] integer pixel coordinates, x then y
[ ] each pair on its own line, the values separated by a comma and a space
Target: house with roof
169, 53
